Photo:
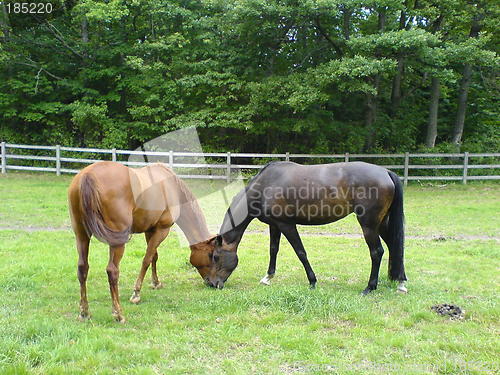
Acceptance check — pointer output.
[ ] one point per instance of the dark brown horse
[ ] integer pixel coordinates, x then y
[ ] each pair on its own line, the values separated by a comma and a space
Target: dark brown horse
111, 201
284, 194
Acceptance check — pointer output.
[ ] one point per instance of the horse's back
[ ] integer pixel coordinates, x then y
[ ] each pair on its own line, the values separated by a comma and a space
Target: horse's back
362, 174
359, 182
112, 179
350, 174
112, 182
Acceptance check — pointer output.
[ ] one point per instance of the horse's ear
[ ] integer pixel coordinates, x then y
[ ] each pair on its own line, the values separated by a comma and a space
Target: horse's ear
211, 240
218, 240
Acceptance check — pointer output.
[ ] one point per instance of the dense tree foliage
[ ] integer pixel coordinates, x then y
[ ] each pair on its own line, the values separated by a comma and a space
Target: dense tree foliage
254, 75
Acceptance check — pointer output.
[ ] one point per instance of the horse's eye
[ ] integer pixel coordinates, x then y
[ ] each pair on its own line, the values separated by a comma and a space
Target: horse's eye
216, 258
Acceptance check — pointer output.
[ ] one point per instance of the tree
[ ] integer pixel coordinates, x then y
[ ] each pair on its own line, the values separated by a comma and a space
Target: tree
252, 75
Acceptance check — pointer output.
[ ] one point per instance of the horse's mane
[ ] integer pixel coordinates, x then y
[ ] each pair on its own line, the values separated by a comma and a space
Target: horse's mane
237, 197
229, 227
190, 198
271, 163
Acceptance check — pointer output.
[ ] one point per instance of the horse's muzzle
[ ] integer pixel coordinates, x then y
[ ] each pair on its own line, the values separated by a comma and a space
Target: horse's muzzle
218, 284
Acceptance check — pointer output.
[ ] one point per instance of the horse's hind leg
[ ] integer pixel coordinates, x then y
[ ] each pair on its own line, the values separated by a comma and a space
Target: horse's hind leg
113, 271
275, 235
82, 245
370, 223
154, 241
384, 233
372, 239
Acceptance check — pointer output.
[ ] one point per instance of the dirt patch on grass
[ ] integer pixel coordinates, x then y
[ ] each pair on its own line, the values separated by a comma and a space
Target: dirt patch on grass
451, 311
411, 237
438, 238
31, 228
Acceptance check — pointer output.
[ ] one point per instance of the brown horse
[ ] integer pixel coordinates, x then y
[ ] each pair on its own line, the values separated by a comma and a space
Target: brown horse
111, 201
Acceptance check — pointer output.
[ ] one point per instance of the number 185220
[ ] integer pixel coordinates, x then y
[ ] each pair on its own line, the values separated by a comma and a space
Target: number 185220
25, 8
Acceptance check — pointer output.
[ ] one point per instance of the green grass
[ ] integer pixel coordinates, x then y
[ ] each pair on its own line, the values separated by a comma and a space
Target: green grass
286, 328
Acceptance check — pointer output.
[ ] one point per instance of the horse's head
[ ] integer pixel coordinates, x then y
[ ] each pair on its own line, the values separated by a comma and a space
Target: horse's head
223, 262
201, 257
215, 260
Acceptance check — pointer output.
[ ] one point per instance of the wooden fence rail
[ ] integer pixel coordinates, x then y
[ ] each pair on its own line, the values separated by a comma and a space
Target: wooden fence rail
227, 163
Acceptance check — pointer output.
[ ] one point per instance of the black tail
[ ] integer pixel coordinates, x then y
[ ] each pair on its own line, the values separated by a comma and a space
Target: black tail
396, 232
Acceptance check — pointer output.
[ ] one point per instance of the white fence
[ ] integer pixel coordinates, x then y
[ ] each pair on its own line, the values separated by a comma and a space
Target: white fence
225, 163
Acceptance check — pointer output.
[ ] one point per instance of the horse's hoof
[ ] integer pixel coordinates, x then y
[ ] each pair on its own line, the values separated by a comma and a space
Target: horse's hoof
118, 317
266, 280
366, 292
402, 289
83, 317
312, 286
158, 285
135, 299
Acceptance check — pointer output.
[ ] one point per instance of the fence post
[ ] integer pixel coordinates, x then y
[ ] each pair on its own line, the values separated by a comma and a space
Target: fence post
58, 160
171, 159
287, 157
466, 165
113, 154
407, 164
346, 157
4, 159
228, 170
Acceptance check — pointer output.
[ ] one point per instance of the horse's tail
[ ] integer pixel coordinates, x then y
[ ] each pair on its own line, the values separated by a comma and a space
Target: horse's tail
396, 232
93, 219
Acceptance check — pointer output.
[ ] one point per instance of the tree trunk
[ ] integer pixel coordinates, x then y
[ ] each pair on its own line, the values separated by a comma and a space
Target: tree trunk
433, 113
396, 82
372, 99
4, 23
5, 27
85, 30
462, 105
381, 19
371, 116
268, 142
464, 86
396, 86
346, 22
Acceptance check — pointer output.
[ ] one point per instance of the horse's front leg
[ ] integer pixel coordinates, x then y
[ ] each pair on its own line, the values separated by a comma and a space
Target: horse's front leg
155, 238
113, 270
275, 235
155, 282
291, 234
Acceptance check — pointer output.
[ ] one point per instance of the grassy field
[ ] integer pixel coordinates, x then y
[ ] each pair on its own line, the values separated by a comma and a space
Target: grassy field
453, 256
